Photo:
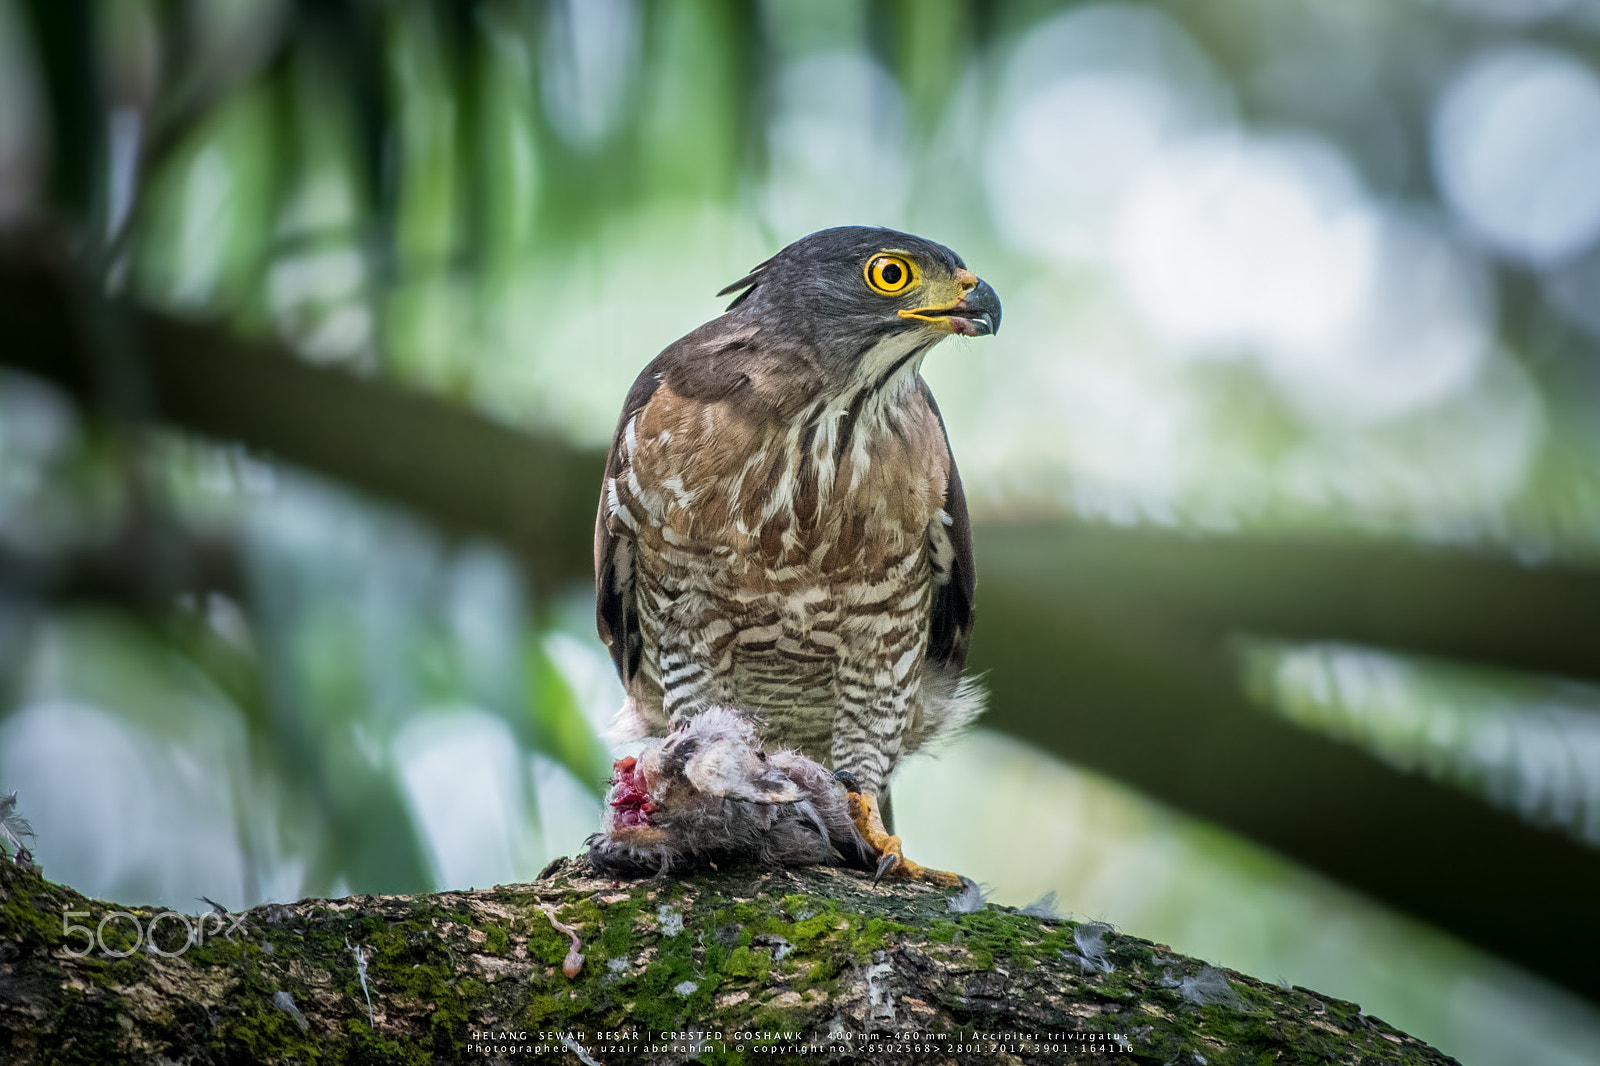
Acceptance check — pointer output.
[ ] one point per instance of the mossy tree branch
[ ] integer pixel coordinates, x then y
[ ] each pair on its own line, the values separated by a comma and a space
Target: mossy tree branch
731, 951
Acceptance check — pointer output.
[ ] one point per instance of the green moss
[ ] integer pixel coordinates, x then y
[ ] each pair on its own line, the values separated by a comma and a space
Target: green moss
820, 973
1012, 936
36, 906
419, 949
660, 1005
219, 951
368, 1046
777, 1020
872, 935
616, 934
744, 962
258, 1031
544, 1007
584, 912
812, 918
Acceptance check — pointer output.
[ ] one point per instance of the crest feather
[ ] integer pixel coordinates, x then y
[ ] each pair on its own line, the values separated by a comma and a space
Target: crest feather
748, 283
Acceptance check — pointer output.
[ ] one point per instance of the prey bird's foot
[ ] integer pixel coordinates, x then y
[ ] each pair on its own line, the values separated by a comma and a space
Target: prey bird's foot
892, 861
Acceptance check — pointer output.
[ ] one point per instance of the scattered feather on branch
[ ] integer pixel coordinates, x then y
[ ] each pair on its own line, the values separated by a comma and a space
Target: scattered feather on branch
285, 1002
578, 1049
1044, 907
14, 829
1090, 940
361, 972
1208, 988
971, 899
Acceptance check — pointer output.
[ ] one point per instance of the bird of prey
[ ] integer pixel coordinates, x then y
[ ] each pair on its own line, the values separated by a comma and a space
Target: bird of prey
781, 525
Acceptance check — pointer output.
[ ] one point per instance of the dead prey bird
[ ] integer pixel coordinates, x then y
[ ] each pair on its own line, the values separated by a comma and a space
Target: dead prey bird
707, 791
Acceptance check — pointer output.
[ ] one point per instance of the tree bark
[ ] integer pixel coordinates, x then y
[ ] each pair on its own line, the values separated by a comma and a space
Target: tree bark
739, 964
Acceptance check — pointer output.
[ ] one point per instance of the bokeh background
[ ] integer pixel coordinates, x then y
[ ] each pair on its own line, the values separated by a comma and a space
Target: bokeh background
315, 318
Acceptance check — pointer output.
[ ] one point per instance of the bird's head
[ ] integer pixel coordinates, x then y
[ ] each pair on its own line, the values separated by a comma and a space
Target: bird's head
849, 291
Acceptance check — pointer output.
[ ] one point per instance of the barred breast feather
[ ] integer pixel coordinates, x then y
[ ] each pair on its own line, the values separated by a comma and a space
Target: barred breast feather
769, 543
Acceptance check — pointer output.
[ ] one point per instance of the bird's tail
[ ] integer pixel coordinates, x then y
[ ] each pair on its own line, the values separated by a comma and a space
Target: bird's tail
951, 702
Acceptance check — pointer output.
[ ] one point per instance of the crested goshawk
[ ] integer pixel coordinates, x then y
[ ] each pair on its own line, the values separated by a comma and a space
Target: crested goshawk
782, 528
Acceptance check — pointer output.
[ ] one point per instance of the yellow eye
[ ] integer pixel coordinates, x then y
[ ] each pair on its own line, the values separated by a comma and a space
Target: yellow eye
890, 275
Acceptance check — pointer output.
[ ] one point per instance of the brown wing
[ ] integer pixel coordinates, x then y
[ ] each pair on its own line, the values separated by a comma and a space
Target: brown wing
715, 362
955, 578
616, 614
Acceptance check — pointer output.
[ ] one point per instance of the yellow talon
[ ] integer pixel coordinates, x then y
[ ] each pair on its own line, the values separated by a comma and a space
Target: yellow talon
892, 860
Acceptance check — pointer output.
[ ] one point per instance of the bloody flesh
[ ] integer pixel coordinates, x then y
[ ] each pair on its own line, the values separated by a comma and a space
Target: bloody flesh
629, 798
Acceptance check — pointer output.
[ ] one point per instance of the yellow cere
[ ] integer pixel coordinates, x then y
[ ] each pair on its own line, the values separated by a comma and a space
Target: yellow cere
942, 294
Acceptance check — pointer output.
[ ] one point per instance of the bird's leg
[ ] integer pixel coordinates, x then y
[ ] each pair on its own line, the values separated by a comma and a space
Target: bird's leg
866, 745
892, 861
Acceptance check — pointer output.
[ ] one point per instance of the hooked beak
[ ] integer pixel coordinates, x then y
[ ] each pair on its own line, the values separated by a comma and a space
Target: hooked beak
975, 314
